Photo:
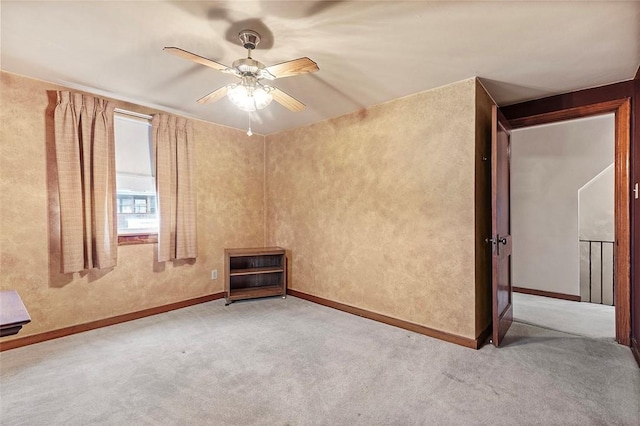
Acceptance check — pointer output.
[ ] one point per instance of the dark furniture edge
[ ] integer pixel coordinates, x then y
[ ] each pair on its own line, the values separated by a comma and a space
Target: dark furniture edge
79, 328
10, 330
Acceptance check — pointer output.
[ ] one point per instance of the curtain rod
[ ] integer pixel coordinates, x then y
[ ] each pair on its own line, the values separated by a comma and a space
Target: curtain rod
133, 114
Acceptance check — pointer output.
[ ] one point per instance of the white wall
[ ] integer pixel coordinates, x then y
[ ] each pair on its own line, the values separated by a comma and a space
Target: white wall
596, 213
596, 207
549, 165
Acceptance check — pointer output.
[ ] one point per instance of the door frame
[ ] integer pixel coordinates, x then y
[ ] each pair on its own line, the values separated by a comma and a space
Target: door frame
501, 243
621, 108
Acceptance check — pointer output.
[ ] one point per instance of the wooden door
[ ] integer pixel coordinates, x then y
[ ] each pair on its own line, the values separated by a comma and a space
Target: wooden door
500, 240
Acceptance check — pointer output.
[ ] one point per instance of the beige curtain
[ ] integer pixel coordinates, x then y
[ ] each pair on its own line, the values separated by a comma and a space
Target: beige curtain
85, 160
175, 168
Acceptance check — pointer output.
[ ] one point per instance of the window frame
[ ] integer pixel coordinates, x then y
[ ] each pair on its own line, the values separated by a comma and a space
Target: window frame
131, 239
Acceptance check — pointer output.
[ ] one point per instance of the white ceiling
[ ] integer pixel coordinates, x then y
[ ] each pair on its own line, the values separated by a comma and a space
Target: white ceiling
368, 52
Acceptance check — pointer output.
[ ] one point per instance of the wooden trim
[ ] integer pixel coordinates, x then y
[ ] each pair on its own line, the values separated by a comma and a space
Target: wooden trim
635, 350
568, 114
447, 337
127, 240
552, 294
622, 247
575, 105
74, 329
565, 101
637, 77
635, 221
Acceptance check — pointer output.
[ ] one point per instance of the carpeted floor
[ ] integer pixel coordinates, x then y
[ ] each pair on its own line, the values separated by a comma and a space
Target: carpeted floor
291, 362
580, 318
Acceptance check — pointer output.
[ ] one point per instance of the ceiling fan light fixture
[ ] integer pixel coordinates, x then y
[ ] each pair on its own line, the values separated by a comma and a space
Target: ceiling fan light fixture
249, 98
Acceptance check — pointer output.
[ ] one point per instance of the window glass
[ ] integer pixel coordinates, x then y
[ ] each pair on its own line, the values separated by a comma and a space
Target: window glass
135, 181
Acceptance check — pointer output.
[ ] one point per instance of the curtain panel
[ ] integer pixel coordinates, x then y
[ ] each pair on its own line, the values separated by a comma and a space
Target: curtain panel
174, 151
85, 159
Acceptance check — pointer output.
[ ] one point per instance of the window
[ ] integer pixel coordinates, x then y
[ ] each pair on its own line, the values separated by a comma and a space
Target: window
135, 181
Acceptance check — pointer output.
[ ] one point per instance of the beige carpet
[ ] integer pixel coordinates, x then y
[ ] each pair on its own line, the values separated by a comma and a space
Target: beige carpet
291, 362
580, 318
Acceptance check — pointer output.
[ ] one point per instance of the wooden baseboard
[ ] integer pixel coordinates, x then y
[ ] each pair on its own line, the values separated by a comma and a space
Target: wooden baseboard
552, 294
635, 349
67, 331
447, 337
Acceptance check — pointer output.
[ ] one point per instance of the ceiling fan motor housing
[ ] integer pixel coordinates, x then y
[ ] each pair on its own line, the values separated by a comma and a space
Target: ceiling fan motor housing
249, 39
248, 66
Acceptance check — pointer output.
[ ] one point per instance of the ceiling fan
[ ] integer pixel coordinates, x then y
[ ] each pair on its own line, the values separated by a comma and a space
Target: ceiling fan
251, 93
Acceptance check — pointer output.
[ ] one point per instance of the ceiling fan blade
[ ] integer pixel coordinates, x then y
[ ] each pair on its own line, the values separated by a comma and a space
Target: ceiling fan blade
286, 100
294, 67
216, 95
195, 58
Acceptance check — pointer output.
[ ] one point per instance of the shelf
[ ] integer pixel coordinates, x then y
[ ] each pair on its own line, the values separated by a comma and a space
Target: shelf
255, 271
253, 292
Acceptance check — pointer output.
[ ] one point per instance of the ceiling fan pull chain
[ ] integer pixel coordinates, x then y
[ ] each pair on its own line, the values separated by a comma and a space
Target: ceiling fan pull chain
249, 132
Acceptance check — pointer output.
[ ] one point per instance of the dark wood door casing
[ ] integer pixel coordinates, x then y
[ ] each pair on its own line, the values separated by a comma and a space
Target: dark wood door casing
502, 291
635, 221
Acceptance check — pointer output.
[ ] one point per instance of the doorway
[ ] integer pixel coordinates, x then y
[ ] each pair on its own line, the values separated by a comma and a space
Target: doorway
621, 111
562, 224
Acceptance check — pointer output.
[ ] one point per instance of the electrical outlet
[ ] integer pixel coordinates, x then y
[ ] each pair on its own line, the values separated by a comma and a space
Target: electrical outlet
214, 274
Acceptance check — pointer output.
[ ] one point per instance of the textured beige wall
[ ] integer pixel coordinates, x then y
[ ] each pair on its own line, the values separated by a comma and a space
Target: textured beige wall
377, 207
230, 174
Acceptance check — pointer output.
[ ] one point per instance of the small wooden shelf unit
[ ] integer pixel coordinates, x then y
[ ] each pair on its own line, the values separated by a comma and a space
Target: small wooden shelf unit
255, 272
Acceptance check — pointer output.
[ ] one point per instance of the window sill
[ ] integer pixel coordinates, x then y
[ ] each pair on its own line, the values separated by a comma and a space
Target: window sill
127, 240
